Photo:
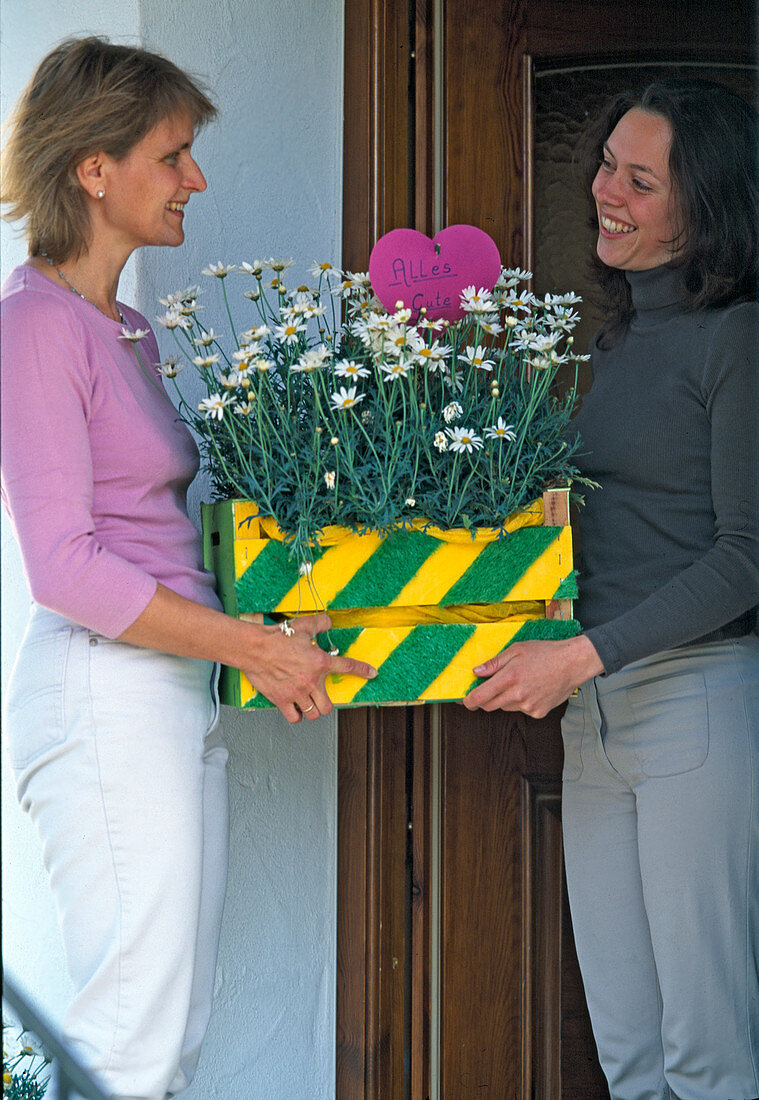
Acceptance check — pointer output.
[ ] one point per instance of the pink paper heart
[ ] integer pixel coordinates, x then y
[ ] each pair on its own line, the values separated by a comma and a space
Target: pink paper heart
406, 266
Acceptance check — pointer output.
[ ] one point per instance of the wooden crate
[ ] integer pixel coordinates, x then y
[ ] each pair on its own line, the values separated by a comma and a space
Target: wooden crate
424, 607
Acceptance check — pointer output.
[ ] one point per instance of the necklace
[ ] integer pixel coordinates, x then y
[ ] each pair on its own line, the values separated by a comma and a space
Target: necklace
75, 291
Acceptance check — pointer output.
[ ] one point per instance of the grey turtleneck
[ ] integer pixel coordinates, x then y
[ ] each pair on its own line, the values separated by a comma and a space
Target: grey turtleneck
669, 545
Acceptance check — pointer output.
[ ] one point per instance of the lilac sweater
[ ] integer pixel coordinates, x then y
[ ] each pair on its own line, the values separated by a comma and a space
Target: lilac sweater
95, 464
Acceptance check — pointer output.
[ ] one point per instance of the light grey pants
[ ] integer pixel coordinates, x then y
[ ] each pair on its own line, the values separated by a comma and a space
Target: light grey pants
661, 837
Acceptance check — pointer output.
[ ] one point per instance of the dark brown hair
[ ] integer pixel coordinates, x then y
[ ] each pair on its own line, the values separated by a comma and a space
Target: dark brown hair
87, 96
714, 165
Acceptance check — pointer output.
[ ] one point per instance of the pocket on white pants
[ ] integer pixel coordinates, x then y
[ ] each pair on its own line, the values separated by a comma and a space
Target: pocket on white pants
34, 708
672, 724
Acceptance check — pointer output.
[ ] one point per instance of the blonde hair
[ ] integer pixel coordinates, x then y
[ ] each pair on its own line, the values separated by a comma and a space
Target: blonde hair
87, 96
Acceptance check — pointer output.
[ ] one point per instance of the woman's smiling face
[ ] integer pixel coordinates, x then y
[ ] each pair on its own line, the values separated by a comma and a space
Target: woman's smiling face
635, 202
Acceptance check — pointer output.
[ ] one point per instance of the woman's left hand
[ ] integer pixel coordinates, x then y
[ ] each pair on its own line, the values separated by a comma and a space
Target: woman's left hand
534, 677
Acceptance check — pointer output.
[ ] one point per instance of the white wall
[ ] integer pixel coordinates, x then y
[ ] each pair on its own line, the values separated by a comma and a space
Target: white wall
273, 163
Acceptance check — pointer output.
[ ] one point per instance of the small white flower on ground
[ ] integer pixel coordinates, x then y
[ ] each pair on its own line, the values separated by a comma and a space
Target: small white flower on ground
133, 336
501, 430
346, 399
329, 479
347, 368
220, 270
205, 339
289, 332
213, 407
170, 367
312, 359
206, 360
464, 439
411, 502
477, 357
440, 441
452, 412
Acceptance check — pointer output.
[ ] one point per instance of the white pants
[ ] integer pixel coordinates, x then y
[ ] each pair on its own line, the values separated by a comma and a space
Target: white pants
661, 834
116, 760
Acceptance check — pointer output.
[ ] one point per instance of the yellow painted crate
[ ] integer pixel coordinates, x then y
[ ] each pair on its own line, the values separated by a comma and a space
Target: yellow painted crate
422, 605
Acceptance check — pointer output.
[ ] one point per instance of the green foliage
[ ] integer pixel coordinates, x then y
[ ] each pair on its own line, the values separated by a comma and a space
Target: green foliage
329, 410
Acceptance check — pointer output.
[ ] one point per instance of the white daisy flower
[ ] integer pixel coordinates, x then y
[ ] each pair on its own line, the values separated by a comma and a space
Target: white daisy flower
440, 441
525, 300
170, 367
433, 356
411, 502
327, 269
289, 332
174, 318
329, 479
244, 408
452, 412
206, 360
220, 270
262, 364
205, 339
279, 265
501, 430
463, 439
346, 399
134, 336
213, 407
492, 328
254, 335
347, 368
398, 368
510, 276
256, 268
477, 357
312, 359
477, 301
305, 568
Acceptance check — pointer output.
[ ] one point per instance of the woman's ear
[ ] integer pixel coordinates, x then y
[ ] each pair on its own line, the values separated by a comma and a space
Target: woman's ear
91, 176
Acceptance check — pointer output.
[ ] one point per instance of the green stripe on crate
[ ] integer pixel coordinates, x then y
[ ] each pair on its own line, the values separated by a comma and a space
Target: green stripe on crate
388, 570
537, 630
415, 663
500, 565
567, 590
268, 578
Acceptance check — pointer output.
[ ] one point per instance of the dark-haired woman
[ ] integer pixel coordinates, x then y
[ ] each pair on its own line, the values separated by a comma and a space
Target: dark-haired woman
111, 710
661, 771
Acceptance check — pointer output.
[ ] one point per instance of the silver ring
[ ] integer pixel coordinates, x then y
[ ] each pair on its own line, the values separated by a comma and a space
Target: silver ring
308, 709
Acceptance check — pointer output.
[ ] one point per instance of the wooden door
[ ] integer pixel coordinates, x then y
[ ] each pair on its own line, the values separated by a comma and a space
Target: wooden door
457, 977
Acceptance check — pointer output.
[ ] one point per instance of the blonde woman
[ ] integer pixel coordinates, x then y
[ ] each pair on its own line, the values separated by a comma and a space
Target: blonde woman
111, 709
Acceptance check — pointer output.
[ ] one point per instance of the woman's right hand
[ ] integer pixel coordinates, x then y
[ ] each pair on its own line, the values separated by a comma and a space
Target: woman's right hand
289, 668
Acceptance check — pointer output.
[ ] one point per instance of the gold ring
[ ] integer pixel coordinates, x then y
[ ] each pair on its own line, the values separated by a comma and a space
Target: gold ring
306, 711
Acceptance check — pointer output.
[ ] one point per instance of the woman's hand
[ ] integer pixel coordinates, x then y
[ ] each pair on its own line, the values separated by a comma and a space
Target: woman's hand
289, 668
286, 666
534, 677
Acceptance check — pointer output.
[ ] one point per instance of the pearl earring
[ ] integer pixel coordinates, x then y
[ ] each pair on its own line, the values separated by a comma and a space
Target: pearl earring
101, 194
